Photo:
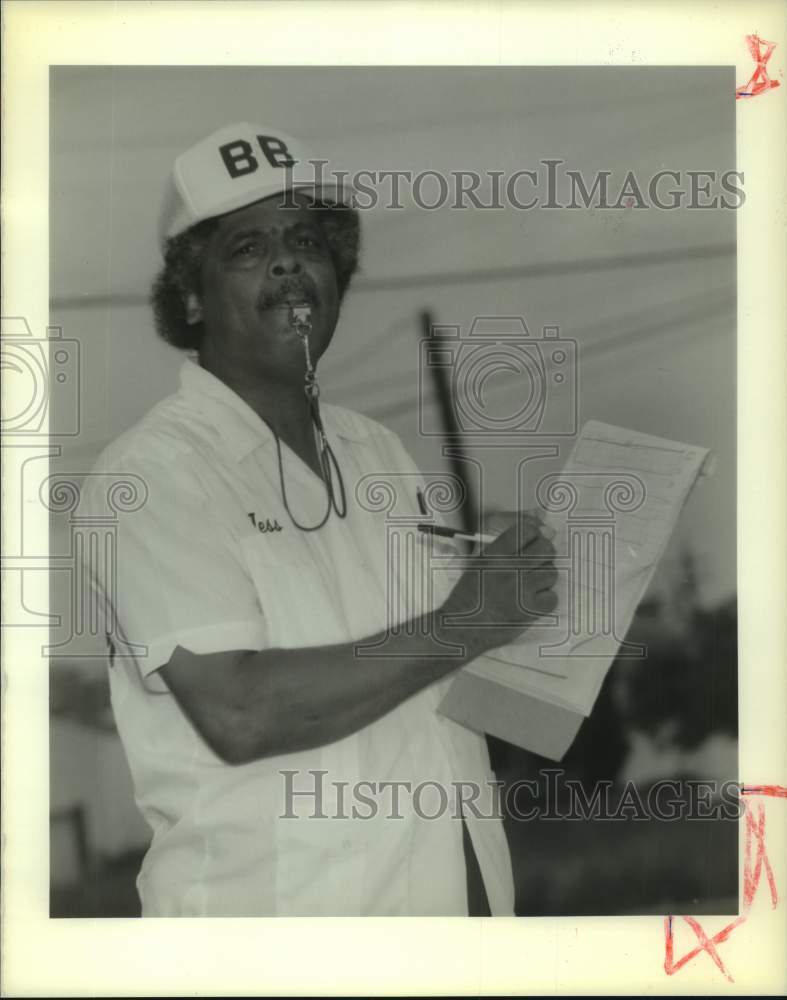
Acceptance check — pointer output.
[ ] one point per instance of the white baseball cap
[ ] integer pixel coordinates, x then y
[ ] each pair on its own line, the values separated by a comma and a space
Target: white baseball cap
237, 166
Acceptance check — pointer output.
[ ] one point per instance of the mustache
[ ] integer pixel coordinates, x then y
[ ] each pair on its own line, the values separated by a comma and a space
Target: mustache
288, 291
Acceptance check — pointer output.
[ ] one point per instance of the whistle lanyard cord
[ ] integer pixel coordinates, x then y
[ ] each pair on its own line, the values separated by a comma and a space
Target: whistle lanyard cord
302, 326
328, 462
330, 459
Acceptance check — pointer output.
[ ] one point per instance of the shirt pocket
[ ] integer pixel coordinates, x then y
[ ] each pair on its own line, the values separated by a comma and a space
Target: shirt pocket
298, 608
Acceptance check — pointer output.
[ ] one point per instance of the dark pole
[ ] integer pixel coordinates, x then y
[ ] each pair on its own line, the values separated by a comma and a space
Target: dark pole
453, 450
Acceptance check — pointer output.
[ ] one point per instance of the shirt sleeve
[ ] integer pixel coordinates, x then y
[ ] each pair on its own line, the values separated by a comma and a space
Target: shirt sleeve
175, 576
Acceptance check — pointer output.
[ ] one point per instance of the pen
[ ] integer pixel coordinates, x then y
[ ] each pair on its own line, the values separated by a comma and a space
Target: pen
438, 529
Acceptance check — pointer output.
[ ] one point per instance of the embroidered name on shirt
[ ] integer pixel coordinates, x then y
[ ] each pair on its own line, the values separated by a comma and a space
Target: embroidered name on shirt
266, 525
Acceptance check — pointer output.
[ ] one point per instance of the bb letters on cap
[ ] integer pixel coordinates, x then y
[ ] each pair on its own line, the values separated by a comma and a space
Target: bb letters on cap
239, 158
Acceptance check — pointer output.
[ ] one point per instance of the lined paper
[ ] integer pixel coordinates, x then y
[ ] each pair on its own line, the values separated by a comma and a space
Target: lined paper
605, 558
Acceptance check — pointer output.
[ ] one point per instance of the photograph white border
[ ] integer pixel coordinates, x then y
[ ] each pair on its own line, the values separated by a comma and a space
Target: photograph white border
381, 956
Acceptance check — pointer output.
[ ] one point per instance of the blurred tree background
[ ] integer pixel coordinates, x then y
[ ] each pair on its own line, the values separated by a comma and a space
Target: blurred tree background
672, 715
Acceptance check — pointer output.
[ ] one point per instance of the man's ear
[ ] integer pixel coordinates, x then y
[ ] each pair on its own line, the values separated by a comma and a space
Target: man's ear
193, 309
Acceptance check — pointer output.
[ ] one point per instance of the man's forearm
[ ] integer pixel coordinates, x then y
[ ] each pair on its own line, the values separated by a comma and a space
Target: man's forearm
284, 700
323, 694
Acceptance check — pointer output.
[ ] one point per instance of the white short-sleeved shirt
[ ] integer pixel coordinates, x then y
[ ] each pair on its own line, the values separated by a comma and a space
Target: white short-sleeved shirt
193, 569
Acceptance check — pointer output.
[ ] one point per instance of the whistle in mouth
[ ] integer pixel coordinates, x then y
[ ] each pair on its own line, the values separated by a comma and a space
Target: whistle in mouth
300, 317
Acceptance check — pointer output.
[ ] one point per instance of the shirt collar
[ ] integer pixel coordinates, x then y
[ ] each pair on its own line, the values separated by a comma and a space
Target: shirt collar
241, 428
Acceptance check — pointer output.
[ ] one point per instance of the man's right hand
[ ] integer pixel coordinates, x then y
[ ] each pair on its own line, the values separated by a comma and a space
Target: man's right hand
501, 611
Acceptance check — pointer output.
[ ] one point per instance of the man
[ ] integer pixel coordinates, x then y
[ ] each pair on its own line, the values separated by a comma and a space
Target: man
259, 690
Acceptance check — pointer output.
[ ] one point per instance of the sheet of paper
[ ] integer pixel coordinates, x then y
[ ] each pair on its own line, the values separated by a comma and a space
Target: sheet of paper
613, 508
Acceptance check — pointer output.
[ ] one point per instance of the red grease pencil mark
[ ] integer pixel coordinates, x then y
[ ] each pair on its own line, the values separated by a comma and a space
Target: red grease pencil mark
775, 791
753, 873
755, 862
759, 81
706, 944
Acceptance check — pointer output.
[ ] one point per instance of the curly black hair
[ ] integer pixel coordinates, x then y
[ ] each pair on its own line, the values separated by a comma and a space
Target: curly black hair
182, 270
